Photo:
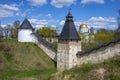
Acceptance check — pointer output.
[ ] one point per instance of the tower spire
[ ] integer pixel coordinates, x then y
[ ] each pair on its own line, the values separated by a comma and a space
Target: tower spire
69, 31
69, 16
69, 9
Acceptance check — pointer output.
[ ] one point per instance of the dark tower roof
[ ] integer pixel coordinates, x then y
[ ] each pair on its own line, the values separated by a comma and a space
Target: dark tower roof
69, 31
26, 25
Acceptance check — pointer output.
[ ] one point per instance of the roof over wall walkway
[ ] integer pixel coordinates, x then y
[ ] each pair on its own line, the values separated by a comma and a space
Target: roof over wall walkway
47, 47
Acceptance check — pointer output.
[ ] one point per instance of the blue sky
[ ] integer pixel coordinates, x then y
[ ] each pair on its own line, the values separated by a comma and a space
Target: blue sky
94, 13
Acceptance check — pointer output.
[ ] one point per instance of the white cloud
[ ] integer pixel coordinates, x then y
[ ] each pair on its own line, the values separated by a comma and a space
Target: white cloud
37, 2
97, 22
62, 22
92, 1
102, 22
37, 16
113, 26
62, 3
78, 23
102, 19
8, 10
3, 25
49, 15
12, 7
54, 27
5, 13
38, 22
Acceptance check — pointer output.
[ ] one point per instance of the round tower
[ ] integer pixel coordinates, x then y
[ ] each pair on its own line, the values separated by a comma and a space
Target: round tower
69, 43
24, 32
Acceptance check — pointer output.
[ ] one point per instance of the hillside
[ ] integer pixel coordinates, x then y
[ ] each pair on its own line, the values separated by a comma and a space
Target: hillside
108, 70
26, 61
23, 61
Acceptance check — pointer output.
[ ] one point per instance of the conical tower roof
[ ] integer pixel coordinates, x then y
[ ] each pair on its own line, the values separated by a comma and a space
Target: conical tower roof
69, 31
26, 25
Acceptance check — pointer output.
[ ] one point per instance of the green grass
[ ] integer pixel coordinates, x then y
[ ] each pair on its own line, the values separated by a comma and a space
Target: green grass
27, 73
55, 43
88, 71
26, 61
23, 60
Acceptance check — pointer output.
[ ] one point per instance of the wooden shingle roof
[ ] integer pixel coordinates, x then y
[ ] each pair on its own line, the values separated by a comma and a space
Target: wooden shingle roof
69, 31
26, 25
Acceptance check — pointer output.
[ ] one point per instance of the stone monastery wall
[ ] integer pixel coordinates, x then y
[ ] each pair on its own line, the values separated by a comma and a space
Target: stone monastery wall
47, 47
100, 55
48, 51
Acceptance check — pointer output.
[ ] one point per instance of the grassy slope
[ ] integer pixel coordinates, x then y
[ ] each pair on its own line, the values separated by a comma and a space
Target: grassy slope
108, 70
23, 61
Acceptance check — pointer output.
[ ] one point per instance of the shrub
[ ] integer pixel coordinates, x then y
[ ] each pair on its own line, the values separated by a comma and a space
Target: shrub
55, 43
86, 67
114, 77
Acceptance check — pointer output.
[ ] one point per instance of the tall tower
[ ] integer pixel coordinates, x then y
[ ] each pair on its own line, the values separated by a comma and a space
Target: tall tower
69, 43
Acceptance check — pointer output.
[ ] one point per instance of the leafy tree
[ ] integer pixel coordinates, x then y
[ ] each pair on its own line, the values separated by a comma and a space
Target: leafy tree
84, 41
16, 24
47, 32
103, 36
91, 35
